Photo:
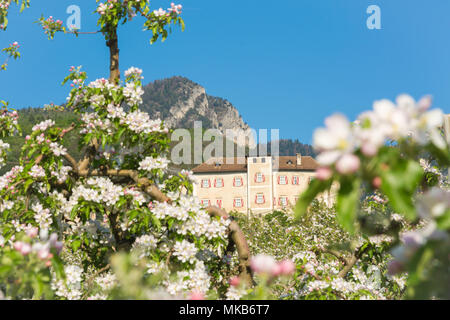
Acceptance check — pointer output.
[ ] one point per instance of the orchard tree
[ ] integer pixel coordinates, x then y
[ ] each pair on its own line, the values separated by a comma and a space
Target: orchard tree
398, 153
68, 228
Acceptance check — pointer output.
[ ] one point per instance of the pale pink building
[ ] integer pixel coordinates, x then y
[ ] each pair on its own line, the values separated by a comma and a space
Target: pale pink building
255, 184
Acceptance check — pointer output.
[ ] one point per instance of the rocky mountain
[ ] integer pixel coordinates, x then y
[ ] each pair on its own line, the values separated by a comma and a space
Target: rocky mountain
179, 102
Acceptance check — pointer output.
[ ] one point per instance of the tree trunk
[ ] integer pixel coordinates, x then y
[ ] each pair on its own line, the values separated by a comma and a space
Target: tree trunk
113, 44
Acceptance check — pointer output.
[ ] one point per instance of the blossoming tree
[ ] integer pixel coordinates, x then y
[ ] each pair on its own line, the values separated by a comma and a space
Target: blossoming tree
396, 152
62, 220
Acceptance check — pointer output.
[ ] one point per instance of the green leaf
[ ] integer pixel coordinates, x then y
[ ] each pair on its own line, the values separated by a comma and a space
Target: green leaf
443, 222
74, 211
120, 133
400, 183
156, 222
133, 214
58, 265
170, 222
76, 244
348, 202
104, 137
27, 184
309, 195
417, 267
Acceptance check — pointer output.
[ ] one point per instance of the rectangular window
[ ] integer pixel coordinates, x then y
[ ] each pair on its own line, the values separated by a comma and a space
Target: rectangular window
219, 203
260, 199
219, 183
282, 180
238, 203
295, 180
255, 160
259, 177
205, 203
283, 201
238, 182
206, 183
263, 160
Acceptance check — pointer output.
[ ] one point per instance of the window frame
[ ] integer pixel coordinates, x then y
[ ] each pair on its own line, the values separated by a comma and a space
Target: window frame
241, 182
209, 183
263, 178
215, 183
263, 198
280, 202
285, 178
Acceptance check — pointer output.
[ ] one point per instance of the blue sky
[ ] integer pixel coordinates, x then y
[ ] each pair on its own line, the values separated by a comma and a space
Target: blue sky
283, 64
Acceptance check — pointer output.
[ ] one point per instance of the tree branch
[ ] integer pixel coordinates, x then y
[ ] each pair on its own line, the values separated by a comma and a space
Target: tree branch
88, 155
348, 262
113, 44
236, 234
348, 266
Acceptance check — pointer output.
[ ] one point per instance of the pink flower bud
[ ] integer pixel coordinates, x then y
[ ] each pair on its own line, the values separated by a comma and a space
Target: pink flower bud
263, 264
18, 245
44, 253
349, 163
235, 281
32, 232
58, 245
26, 249
324, 173
376, 182
196, 295
276, 270
369, 149
425, 103
53, 238
287, 267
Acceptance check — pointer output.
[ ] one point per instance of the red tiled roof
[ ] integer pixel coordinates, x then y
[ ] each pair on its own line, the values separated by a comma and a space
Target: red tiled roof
290, 163
224, 165
285, 163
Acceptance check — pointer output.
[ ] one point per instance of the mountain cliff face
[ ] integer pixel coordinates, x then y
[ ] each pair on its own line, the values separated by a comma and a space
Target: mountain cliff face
180, 102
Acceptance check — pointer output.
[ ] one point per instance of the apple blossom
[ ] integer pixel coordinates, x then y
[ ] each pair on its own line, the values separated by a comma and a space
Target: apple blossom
335, 140
287, 267
347, 164
263, 264
324, 173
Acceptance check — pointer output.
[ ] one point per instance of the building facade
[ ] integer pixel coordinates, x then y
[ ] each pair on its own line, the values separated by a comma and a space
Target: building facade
255, 184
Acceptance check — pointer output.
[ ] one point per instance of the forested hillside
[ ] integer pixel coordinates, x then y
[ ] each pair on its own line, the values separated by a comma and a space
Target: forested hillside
30, 116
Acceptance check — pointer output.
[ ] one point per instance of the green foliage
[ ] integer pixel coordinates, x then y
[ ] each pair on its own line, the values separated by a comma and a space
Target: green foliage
321, 249
27, 119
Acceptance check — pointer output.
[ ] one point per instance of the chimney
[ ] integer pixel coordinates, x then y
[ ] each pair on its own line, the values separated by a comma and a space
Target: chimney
299, 159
